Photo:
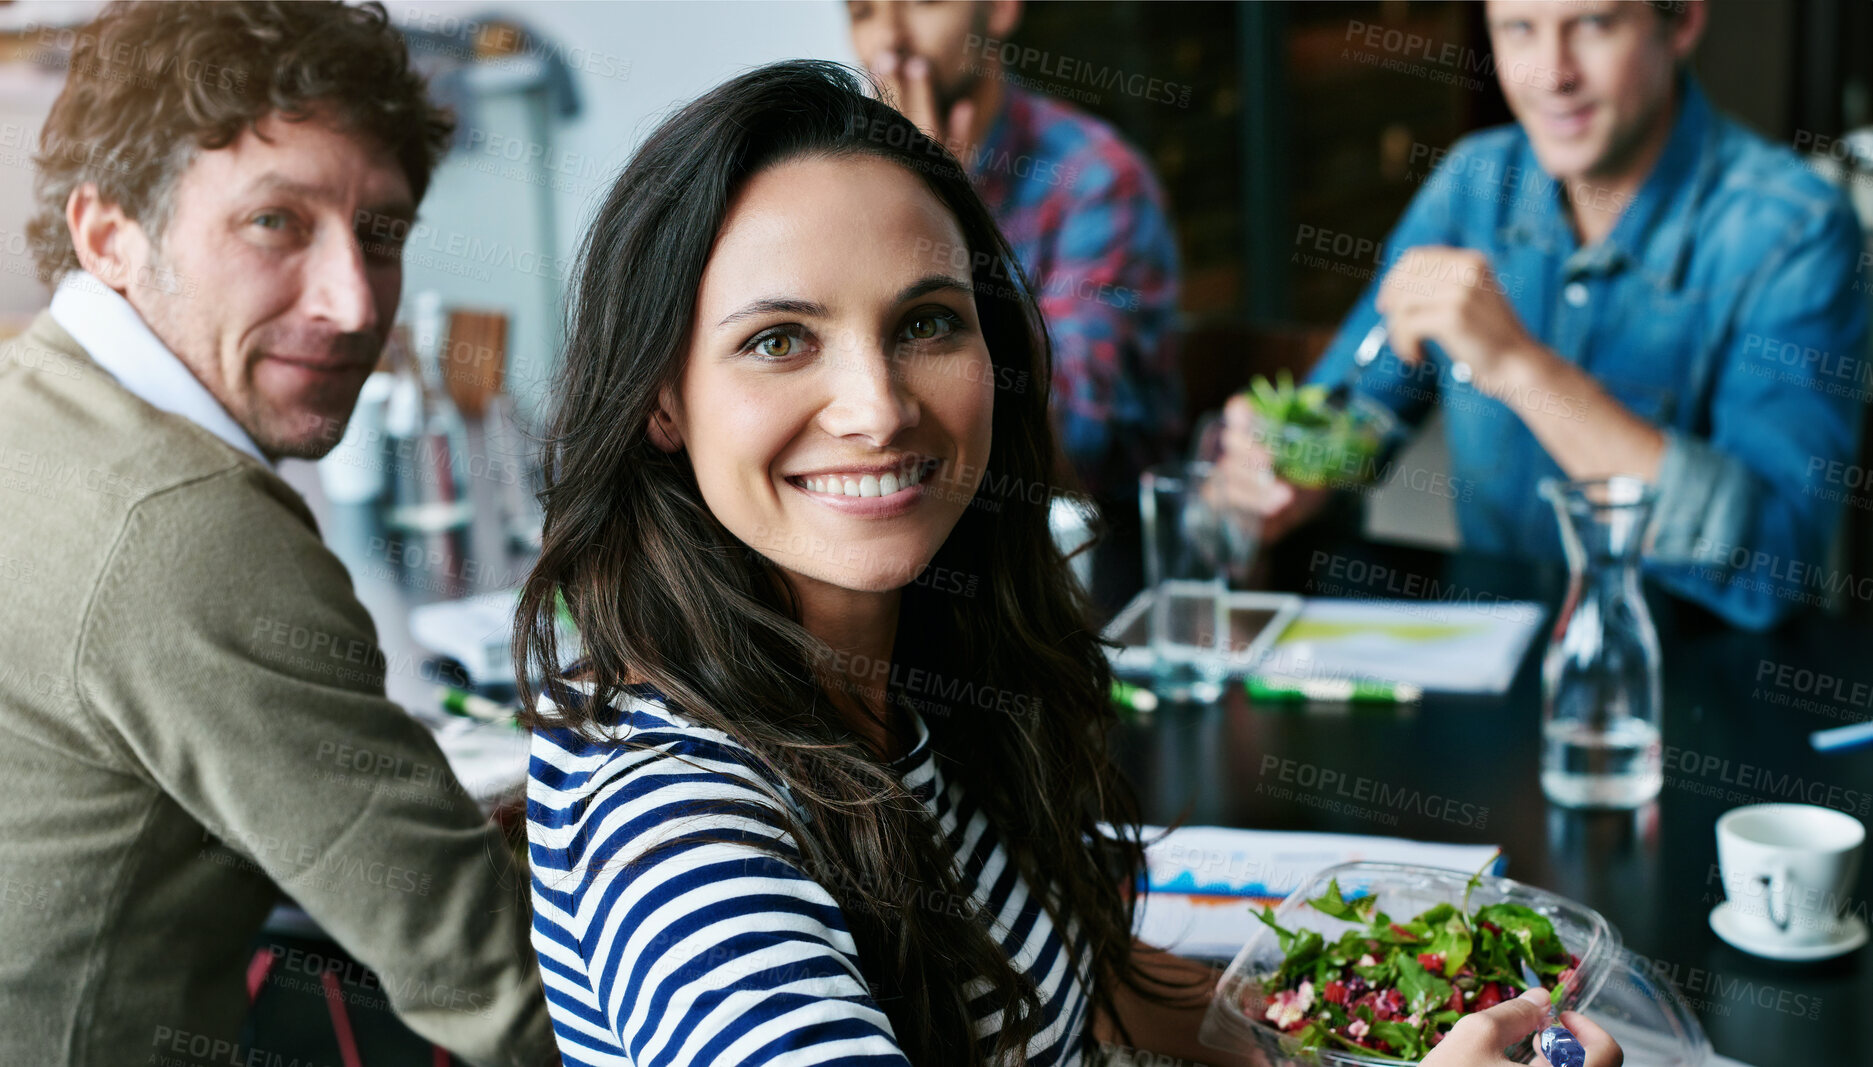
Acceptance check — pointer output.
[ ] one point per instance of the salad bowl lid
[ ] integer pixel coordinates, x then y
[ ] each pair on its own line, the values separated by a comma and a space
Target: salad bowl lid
1646, 1015
1649, 1018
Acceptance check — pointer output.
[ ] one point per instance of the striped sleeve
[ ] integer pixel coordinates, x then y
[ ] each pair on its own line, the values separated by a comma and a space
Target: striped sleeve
673, 918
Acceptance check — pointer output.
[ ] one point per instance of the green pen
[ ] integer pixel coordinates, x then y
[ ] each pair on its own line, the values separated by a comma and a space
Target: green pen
474, 706
1276, 688
1134, 697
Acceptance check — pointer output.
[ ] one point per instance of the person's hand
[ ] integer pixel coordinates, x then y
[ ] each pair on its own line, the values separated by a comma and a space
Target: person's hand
1244, 477
1478, 1040
910, 86
1451, 296
1602, 1050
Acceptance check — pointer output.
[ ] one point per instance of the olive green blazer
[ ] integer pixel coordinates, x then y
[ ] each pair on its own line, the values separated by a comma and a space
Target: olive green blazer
193, 723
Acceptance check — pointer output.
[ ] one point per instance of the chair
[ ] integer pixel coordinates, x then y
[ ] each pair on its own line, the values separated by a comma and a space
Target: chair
260, 968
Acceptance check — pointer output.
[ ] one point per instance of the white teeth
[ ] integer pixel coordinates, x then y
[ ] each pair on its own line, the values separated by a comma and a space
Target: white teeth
868, 484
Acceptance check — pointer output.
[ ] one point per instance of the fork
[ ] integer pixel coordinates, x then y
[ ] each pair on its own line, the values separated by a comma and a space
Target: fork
1557, 1042
1368, 353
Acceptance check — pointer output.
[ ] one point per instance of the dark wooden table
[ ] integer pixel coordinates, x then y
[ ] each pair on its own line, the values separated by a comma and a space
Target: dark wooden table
1468, 768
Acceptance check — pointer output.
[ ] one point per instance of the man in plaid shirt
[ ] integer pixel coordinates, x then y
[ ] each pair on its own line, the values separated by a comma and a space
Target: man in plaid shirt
1081, 207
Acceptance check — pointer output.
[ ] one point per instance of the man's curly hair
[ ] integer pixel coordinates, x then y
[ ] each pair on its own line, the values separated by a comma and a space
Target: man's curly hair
152, 83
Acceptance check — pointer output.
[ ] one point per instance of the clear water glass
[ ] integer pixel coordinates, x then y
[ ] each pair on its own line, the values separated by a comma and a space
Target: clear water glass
1192, 548
1070, 520
1601, 700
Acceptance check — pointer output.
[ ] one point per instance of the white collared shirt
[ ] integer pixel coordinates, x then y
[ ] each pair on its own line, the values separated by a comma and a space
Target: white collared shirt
117, 338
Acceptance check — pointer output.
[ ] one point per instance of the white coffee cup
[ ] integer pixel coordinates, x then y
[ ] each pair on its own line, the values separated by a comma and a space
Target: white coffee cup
1787, 869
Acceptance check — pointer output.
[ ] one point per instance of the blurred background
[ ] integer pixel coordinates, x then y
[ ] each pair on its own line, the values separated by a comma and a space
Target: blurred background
1290, 121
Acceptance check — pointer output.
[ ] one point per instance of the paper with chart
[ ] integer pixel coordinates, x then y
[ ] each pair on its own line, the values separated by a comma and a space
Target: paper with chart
1441, 647
1204, 881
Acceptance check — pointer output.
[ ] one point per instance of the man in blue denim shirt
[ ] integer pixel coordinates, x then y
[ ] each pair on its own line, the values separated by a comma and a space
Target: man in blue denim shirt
1639, 286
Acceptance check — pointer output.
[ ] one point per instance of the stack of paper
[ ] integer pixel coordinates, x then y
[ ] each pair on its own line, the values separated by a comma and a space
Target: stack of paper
1206, 882
476, 632
1463, 647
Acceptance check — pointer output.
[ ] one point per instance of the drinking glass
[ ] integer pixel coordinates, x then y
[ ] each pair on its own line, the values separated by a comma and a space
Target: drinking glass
1193, 546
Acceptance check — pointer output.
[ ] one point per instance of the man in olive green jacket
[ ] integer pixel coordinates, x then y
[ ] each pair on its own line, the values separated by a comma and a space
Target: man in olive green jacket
192, 710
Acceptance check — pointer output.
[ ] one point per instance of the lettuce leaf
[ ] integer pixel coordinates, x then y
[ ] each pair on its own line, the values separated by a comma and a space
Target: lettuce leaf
1358, 909
1423, 990
1452, 938
1531, 932
1406, 1040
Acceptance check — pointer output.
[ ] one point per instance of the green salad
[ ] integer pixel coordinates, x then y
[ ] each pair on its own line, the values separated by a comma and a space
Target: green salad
1313, 444
1392, 989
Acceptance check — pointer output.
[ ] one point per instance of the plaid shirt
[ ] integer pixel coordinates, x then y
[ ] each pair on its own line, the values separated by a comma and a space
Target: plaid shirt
1086, 218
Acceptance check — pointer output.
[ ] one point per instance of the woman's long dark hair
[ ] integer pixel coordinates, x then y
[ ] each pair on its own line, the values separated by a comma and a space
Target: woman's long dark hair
1014, 681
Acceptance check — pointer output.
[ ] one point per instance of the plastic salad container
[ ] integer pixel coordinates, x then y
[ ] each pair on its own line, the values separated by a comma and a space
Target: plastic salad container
1340, 452
1651, 1021
1313, 443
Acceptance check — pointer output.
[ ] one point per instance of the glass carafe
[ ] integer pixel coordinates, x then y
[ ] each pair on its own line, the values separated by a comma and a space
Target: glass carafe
1601, 705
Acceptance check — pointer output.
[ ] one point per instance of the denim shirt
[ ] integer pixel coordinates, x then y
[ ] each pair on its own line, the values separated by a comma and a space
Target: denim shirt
1727, 307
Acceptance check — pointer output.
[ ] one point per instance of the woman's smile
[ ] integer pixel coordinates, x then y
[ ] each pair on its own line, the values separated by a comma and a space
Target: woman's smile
868, 491
867, 480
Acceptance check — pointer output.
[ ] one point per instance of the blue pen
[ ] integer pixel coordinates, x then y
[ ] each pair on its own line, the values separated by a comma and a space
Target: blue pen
1557, 1042
1842, 737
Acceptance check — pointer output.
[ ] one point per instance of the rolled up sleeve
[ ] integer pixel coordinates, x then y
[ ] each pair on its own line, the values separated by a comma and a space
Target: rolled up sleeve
1707, 502
1746, 518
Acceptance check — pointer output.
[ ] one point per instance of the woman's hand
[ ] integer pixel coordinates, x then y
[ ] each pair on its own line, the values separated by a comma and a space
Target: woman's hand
1478, 1040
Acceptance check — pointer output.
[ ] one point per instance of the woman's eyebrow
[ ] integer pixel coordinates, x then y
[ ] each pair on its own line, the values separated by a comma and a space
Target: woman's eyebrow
774, 305
934, 283
786, 305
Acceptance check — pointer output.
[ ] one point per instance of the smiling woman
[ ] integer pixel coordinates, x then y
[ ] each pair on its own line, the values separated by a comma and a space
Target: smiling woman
798, 411
796, 804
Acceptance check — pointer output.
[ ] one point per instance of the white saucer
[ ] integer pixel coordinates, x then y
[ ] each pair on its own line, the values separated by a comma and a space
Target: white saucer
1850, 934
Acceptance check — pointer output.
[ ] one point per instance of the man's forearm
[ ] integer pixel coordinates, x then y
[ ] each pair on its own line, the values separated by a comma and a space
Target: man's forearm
1580, 424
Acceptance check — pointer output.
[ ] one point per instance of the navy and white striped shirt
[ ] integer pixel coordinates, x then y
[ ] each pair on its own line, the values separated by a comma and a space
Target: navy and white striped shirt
716, 951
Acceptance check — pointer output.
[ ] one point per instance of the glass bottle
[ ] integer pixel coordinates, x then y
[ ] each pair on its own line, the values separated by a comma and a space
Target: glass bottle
428, 507
1601, 704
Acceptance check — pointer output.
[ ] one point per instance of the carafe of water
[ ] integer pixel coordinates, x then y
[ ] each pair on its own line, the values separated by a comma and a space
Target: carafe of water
1601, 704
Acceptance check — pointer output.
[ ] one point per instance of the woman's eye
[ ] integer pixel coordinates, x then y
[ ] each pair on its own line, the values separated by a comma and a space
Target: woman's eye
271, 220
777, 345
929, 327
